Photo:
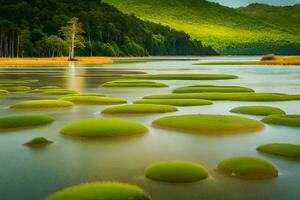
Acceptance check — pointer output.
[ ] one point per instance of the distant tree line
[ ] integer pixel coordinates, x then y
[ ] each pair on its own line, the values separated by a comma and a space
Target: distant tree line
33, 28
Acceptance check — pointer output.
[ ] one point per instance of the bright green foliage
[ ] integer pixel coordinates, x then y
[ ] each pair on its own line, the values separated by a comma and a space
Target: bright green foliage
42, 104
11, 122
176, 171
98, 100
285, 150
209, 124
133, 83
15, 88
101, 191
175, 102
3, 92
58, 92
258, 110
103, 127
211, 88
139, 109
38, 142
183, 76
286, 120
248, 168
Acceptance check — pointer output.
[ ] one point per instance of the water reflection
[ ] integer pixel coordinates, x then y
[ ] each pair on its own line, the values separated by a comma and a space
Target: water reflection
75, 77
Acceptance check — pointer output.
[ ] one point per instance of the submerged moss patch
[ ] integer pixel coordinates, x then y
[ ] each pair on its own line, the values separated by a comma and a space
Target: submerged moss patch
209, 124
12, 122
98, 100
101, 190
176, 171
103, 127
38, 142
17, 81
286, 120
258, 110
57, 92
182, 76
16, 88
211, 88
49, 87
175, 102
133, 83
87, 94
3, 92
285, 150
139, 109
248, 168
42, 104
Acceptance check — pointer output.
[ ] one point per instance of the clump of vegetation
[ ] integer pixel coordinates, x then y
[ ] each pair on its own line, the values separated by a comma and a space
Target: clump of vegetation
258, 110
38, 142
15, 88
101, 190
248, 168
98, 100
49, 87
287, 120
57, 92
103, 127
13, 122
87, 94
211, 88
17, 81
3, 92
182, 76
175, 102
42, 104
268, 57
133, 83
176, 171
209, 124
285, 150
139, 109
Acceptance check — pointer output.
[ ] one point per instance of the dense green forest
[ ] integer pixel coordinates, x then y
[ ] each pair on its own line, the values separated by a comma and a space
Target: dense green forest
32, 28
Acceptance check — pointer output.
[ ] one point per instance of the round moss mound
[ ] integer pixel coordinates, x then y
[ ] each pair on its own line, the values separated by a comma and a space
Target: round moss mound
139, 109
133, 83
16, 88
98, 100
211, 88
285, 150
209, 124
258, 110
101, 191
182, 76
57, 92
175, 102
286, 120
38, 142
87, 94
42, 104
176, 171
103, 127
12, 122
3, 92
248, 168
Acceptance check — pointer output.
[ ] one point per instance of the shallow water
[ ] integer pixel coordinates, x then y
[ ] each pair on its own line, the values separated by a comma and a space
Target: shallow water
35, 173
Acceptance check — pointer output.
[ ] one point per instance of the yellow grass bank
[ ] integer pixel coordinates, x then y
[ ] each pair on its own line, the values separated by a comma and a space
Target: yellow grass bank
280, 60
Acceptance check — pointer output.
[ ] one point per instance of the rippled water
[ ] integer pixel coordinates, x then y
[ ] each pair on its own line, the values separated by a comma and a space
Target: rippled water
32, 174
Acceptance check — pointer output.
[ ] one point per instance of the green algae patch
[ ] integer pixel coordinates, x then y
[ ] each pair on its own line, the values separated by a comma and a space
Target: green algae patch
57, 92
182, 76
248, 168
16, 88
238, 96
38, 142
97, 100
87, 94
286, 120
209, 124
15, 122
103, 127
17, 81
3, 92
42, 104
175, 102
176, 172
258, 110
211, 88
139, 109
101, 191
285, 150
49, 87
133, 83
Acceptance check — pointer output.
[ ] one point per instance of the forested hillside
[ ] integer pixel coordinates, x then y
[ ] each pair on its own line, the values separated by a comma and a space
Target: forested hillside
32, 28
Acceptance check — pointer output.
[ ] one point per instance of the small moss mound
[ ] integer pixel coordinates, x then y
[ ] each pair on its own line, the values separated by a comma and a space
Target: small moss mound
98, 100
17, 81
3, 92
182, 76
133, 83
103, 127
42, 104
101, 191
175, 102
286, 120
57, 92
16, 88
38, 142
248, 168
49, 87
285, 150
12, 122
176, 171
139, 109
211, 88
209, 124
258, 110
87, 94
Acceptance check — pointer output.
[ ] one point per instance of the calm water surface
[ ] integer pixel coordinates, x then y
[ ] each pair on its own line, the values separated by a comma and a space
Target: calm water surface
31, 174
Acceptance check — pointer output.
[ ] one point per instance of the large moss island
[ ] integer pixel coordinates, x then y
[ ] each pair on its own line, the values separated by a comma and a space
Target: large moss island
24, 121
139, 109
258, 110
182, 76
209, 124
103, 127
175, 102
133, 83
42, 104
279, 149
285, 120
176, 171
97, 100
211, 88
101, 191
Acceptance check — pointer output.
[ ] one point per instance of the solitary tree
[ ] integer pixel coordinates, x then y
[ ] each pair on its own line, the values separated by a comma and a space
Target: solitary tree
72, 33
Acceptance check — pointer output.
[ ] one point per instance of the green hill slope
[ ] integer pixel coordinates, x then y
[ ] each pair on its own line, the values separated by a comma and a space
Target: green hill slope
226, 29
